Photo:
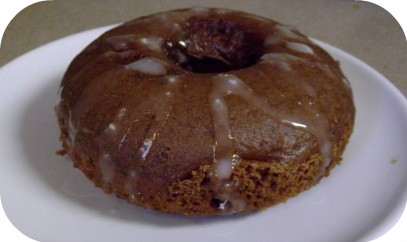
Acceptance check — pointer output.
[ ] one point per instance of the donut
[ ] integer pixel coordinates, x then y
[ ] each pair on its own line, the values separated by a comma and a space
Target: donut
204, 111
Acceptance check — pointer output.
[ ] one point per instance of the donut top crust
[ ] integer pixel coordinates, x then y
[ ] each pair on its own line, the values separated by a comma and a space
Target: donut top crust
162, 95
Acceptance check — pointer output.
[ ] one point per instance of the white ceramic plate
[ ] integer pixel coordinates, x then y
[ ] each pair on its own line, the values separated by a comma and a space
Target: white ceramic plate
48, 200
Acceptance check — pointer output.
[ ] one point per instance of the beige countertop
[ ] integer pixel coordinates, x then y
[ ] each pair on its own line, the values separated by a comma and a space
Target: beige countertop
362, 29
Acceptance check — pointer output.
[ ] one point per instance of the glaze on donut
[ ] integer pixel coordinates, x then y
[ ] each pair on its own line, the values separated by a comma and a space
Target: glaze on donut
204, 112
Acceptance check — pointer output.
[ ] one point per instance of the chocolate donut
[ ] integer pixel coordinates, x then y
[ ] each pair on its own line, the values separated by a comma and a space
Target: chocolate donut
204, 112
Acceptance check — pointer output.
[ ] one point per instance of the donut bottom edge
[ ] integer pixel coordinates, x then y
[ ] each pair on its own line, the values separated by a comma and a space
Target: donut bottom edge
258, 185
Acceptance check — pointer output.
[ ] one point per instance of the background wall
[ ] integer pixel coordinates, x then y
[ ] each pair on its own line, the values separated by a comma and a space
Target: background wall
362, 29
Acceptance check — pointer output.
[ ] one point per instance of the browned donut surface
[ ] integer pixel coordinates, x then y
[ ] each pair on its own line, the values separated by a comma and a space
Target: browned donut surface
204, 111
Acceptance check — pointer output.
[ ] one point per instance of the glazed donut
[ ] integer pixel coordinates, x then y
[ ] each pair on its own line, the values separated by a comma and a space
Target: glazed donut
204, 112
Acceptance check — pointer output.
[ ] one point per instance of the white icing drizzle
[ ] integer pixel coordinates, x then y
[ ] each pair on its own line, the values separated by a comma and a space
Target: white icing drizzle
112, 126
289, 32
114, 130
161, 115
148, 65
169, 23
223, 85
181, 57
145, 148
58, 99
281, 59
153, 43
284, 31
71, 132
325, 68
318, 126
272, 39
71, 129
121, 42
224, 154
299, 47
107, 167
346, 81
308, 88
127, 53
228, 196
171, 79
129, 187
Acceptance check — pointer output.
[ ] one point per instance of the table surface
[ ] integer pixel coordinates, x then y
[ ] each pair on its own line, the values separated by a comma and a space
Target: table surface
362, 29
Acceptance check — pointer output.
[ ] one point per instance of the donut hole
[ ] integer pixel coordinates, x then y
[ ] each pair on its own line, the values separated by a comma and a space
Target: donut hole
215, 45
